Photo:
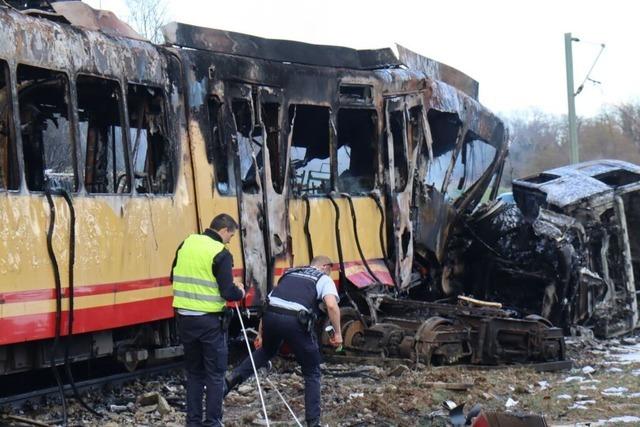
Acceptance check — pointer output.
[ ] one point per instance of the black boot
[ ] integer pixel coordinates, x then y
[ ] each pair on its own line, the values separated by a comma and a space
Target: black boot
230, 383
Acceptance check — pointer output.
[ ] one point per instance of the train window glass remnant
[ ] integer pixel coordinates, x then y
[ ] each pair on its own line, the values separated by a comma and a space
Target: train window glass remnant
458, 177
479, 156
101, 135
218, 151
400, 161
249, 140
46, 132
271, 121
444, 131
152, 153
9, 178
310, 157
356, 150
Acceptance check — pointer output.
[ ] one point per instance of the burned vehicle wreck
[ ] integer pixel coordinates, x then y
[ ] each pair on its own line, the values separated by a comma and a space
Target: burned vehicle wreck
567, 250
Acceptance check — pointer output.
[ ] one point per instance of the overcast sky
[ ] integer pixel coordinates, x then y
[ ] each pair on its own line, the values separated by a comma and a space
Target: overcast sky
514, 49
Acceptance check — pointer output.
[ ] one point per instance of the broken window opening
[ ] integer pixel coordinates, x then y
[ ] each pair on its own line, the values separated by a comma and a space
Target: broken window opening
9, 173
49, 158
102, 135
541, 178
152, 153
416, 129
618, 178
310, 150
479, 157
271, 122
400, 161
472, 162
249, 139
355, 94
219, 153
357, 153
444, 132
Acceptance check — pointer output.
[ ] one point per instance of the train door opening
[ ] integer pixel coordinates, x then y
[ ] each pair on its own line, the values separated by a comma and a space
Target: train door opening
406, 133
260, 168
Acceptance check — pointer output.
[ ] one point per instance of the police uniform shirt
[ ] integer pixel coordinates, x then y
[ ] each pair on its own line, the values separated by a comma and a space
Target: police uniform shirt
324, 286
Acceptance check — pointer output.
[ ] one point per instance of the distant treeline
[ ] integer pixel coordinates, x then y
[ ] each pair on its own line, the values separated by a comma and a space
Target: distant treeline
540, 141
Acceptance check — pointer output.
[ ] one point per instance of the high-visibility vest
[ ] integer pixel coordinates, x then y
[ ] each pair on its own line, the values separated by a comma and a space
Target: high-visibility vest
194, 285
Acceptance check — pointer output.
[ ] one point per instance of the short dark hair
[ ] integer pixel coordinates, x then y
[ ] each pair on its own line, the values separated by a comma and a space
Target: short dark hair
223, 221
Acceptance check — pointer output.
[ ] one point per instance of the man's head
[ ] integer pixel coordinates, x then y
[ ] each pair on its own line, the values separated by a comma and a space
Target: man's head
322, 263
225, 226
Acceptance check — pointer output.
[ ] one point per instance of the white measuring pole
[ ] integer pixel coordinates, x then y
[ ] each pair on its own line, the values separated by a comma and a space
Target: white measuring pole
255, 371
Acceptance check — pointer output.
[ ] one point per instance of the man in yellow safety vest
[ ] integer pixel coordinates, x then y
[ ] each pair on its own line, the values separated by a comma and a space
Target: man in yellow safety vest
202, 284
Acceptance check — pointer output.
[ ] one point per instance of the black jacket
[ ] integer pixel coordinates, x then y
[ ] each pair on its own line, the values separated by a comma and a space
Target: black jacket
221, 267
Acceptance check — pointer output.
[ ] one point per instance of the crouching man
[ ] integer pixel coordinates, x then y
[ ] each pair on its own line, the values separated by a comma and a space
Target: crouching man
290, 316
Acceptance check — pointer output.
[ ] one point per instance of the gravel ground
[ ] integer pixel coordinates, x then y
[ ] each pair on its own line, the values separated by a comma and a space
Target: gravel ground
602, 389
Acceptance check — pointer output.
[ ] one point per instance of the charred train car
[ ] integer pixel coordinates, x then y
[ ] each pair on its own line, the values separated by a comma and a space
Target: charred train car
112, 150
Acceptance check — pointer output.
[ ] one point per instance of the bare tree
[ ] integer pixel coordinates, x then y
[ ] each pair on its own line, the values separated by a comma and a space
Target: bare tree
147, 17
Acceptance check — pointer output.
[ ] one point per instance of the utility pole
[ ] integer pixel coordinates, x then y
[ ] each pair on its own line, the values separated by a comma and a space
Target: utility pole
571, 98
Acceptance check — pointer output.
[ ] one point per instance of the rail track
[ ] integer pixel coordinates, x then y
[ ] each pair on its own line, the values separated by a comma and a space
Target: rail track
14, 401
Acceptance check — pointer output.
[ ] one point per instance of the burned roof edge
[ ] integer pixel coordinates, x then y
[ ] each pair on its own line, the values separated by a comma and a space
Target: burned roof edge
439, 71
229, 42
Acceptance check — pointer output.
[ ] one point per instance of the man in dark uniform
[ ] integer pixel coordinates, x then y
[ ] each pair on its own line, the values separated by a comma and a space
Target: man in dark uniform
289, 316
202, 284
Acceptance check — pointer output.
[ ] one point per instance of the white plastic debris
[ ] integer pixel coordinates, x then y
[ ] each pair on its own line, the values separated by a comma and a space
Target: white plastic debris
563, 397
543, 385
511, 403
588, 370
355, 395
572, 379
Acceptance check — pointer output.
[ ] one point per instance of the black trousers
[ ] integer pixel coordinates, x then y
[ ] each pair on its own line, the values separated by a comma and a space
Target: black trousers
205, 354
277, 328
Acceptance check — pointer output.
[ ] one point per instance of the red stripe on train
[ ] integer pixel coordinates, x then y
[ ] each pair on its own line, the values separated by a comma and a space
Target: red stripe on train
41, 326
87, 290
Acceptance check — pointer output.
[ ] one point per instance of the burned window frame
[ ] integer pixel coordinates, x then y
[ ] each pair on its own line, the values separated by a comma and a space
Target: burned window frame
436, 134
10, 171
249, 175
330, 182
374, 146
277, 158
124, 125
171, 153
219, 147
69, 84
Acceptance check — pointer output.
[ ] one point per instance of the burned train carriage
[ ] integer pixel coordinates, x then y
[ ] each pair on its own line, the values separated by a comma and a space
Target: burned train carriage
112, 150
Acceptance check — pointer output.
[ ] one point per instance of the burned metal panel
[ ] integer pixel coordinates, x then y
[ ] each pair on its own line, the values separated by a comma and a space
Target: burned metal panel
275, 50
439, 71
41, 42
82, 15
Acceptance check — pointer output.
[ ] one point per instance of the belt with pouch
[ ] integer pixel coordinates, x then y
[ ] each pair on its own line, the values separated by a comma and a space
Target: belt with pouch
306, 318
281, 310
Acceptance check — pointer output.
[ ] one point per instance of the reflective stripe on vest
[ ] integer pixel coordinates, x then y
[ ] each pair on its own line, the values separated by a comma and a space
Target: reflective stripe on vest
194, 286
